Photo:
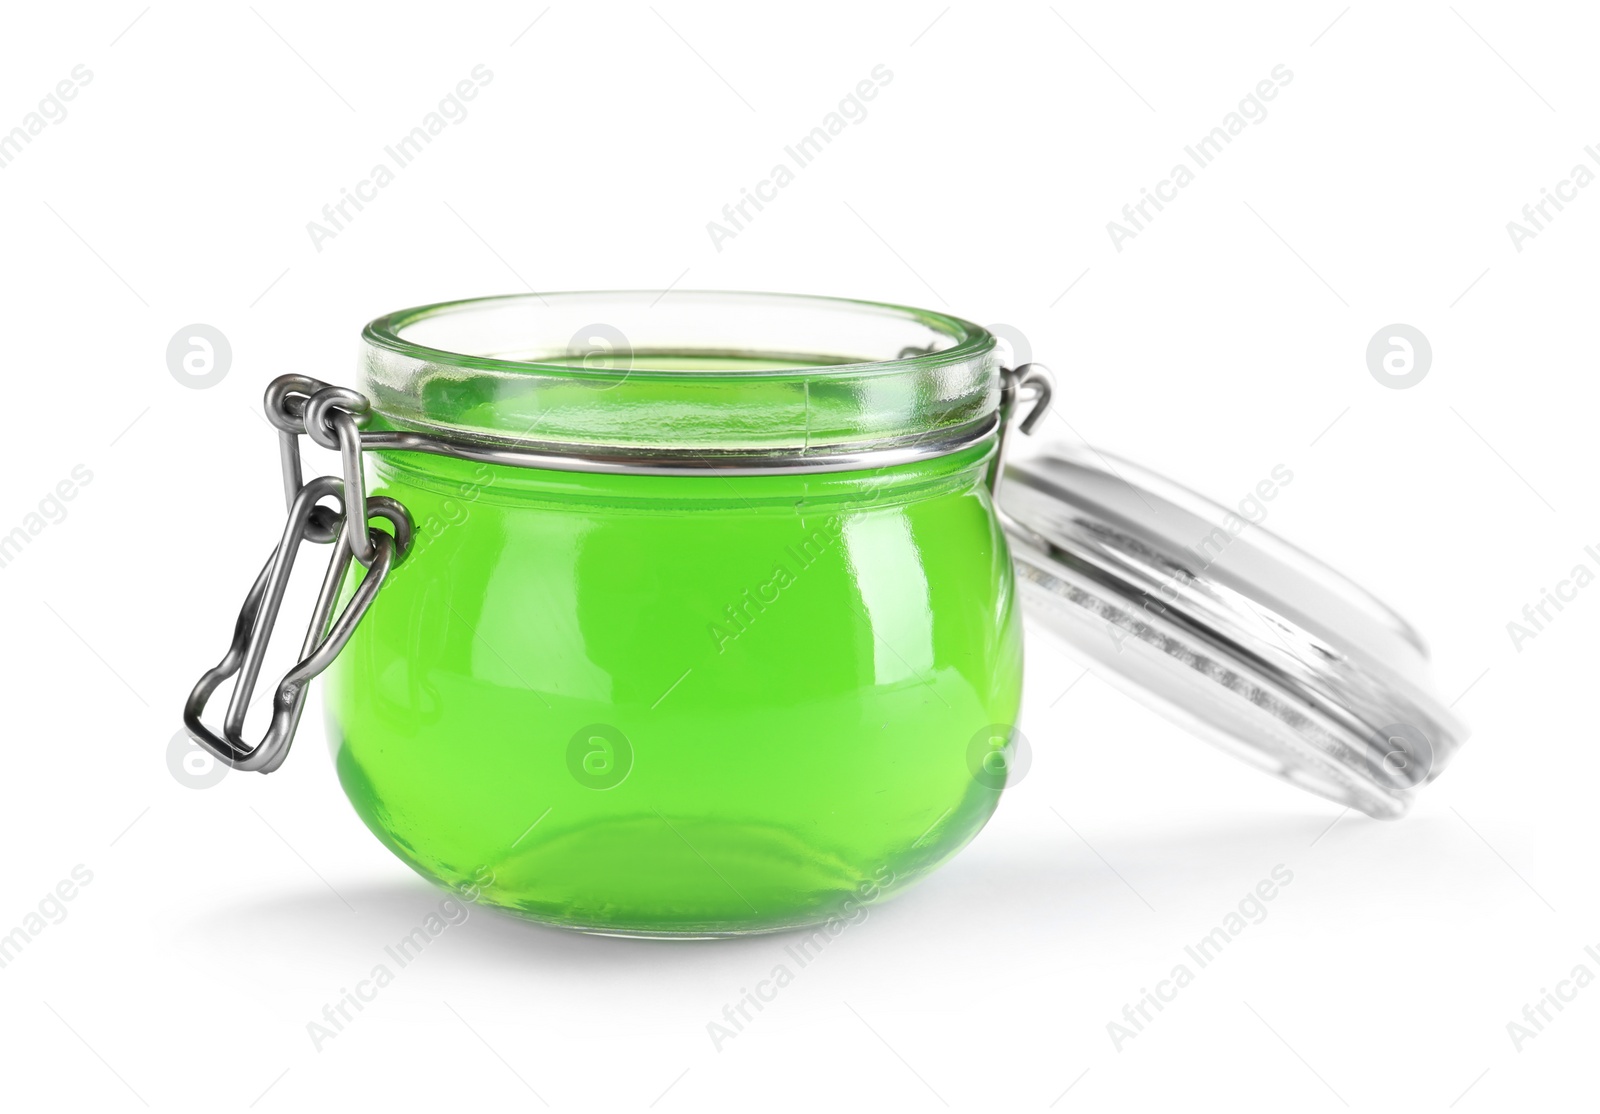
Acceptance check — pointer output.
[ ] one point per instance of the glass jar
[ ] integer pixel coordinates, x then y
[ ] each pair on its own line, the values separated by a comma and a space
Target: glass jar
692, 614
686, 704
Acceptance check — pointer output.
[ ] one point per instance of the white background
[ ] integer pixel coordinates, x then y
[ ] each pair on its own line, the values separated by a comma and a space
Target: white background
1226, 338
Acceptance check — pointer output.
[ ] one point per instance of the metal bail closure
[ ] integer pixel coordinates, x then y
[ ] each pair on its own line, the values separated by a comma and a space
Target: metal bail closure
259, 616
1226, 629
1033, 379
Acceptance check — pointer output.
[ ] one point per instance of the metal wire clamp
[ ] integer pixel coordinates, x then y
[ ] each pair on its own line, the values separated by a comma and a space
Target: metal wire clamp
326, 415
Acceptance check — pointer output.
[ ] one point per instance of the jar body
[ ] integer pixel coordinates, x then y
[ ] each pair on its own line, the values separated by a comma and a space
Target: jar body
682, 705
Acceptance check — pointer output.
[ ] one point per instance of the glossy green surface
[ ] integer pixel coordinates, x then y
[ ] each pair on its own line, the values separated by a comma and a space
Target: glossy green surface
681, 705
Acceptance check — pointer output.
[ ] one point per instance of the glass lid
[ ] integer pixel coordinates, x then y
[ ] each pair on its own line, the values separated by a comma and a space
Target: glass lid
1228, 630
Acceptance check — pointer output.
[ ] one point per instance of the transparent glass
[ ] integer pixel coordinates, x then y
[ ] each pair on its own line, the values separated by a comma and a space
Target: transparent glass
643, 372
685, 705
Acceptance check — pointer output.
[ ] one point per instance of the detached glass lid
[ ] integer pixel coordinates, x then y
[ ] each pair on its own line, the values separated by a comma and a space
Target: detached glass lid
1227, 629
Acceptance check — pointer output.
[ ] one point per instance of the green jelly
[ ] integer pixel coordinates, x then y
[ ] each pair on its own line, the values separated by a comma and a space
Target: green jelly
684, 704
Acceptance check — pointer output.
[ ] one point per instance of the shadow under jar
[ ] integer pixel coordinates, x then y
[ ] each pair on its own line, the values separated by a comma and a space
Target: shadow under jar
631, 693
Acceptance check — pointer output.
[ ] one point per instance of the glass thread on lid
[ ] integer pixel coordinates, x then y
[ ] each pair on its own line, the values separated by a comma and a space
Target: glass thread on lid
1263, 650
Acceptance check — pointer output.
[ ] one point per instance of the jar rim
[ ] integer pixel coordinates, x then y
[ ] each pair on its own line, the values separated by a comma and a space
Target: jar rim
387, 331
791, 379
